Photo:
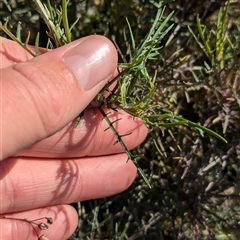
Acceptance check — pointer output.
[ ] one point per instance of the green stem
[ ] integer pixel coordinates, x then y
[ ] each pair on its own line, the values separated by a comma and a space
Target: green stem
65, 21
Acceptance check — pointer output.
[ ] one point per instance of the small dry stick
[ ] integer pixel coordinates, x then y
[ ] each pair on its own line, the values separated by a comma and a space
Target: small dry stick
41, 225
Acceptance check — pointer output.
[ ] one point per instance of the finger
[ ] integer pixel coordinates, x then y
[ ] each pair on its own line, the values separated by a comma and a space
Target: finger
12, 53
32, 184
92, 137
64, 223
42, 95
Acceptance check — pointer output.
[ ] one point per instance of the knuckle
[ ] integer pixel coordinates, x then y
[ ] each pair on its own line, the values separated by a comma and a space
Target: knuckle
44, 93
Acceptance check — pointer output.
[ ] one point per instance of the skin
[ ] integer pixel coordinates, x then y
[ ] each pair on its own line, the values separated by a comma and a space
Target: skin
45, 162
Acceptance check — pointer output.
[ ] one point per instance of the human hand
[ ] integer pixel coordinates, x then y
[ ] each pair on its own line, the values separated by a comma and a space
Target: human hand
45, 162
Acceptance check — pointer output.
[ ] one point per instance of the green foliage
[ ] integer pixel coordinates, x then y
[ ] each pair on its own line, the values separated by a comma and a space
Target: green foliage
180, 74
216, 53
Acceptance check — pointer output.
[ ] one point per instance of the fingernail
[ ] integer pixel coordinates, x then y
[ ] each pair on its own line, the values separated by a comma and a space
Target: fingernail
92, 61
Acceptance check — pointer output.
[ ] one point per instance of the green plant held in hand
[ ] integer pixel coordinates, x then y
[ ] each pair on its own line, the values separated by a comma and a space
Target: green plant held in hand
176, 74
136, 86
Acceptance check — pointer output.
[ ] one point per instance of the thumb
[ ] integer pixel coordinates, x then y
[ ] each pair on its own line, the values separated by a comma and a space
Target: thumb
42, 95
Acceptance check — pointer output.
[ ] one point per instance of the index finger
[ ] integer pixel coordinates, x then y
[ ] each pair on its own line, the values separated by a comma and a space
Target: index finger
92, 137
